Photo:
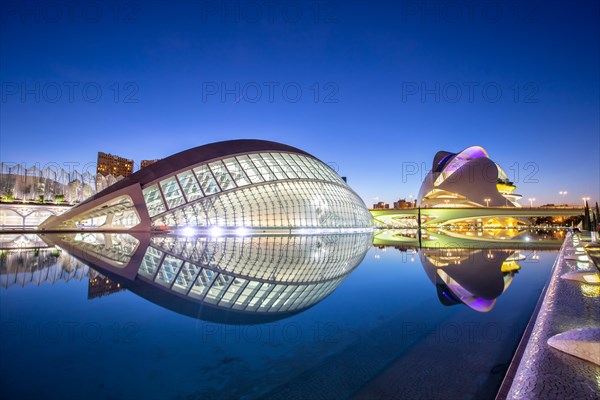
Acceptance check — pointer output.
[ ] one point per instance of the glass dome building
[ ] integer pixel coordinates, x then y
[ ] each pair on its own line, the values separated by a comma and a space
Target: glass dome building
237, 184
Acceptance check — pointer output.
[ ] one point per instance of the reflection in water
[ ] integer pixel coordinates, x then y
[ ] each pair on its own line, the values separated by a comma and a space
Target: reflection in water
229, 279
242, 279
110, 249
475, 277
100, 286
25, 266
470, 237
20, 241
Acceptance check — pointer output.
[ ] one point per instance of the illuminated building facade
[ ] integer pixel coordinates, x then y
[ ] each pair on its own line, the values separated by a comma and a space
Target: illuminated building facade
380, 205
467, 179
238, 184
109, 164
230, 279
402, 204
50, 184
101, 286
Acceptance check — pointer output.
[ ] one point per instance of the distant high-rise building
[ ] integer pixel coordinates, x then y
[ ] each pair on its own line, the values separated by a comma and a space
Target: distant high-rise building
380, 205
402, 203
109, 164
145, 163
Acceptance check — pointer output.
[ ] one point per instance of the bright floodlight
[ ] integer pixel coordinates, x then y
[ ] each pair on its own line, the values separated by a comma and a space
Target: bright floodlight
215, 231
189, 231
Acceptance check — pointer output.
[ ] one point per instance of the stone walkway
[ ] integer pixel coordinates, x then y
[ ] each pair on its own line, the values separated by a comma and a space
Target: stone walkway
544, 372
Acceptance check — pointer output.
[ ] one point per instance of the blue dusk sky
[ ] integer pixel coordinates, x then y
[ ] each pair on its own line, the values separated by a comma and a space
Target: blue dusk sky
374, 88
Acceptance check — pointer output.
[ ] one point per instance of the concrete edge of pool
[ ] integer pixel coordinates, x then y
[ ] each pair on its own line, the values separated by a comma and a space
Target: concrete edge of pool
540, 371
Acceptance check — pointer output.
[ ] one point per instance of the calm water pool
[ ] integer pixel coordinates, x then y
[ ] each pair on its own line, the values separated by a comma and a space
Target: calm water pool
320, 316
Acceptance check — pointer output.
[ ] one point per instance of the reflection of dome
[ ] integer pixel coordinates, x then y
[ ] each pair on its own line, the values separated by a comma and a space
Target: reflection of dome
239, 183
474, 277
230, 279
466, 179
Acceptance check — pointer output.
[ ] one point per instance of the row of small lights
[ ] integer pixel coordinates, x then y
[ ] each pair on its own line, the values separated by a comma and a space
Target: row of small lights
214, 231
217, 231
531, 199
563, 194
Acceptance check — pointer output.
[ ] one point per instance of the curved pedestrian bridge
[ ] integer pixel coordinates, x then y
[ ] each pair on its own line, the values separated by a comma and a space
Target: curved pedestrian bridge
448, 216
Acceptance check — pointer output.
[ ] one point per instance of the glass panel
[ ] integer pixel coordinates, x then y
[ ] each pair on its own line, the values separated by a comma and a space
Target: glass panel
154, 201
257, 299
289, 203
329, 173
273, 166
150, 262
262, 167
284, 165
245, 297
172, 192
236, 172
293, 165
168, 271
202, 283
314, 167
207, 182
218, 288
190, 186
231, 294
266, 304
221, 175
306, 169
250, 169
281, 299
185, 278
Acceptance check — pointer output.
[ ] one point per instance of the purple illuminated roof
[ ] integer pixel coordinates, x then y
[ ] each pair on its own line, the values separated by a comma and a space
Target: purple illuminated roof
467, 154
473, 152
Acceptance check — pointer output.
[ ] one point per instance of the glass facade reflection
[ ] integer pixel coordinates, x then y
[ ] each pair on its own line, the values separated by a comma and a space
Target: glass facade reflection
264, 275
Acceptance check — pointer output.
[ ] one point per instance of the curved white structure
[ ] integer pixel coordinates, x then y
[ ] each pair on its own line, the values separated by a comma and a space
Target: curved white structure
238, 184
232, 279
474, 277
467, 179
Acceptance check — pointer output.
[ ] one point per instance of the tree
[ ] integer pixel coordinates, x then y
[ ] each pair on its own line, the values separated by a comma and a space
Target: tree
8, 197
597, 227
586, 218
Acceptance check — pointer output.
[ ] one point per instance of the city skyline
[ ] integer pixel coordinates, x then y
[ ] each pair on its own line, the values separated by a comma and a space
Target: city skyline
300, 199
380, 92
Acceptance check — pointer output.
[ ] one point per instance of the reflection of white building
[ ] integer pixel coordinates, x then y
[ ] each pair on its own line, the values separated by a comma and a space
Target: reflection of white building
251, 184
22, 266
233, 279
467, 179
474, 277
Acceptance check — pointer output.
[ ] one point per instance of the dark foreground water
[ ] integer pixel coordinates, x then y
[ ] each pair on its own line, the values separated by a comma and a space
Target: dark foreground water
321, 316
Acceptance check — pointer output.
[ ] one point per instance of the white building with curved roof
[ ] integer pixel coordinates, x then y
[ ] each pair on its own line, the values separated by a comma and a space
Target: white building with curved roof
237, 184
467, 179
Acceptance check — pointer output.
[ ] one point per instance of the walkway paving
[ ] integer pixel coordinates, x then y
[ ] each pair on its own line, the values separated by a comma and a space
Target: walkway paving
544, 372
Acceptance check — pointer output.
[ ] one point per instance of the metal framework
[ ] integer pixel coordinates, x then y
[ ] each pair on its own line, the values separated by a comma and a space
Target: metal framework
236, 184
